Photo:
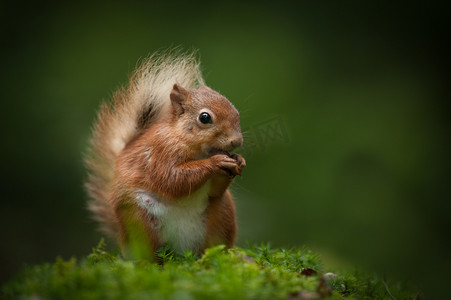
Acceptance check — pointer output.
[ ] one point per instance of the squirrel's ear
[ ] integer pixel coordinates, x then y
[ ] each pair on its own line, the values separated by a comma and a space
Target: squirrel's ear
178, 97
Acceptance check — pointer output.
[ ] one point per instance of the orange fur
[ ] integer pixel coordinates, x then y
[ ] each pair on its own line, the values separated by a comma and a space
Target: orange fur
166, 151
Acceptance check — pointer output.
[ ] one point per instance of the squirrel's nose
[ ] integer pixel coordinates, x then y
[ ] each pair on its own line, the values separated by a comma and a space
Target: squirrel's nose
236, 142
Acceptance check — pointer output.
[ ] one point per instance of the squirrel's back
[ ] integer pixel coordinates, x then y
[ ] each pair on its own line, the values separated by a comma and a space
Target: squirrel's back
132, 110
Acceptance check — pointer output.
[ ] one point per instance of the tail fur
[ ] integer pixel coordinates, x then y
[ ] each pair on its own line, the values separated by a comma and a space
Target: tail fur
131, 111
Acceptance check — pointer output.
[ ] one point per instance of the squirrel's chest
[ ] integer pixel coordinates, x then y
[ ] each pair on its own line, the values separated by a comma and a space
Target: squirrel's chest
181, 223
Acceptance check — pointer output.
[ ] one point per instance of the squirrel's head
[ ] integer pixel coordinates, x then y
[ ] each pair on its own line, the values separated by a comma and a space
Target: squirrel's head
207, 121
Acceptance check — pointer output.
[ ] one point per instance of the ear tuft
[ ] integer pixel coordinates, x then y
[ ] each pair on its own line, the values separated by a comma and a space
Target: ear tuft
178, 96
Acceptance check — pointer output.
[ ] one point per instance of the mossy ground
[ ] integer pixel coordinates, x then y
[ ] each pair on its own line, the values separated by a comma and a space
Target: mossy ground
257, 272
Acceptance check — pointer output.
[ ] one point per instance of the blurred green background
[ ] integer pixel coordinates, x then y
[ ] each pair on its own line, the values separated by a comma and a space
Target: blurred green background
359, 169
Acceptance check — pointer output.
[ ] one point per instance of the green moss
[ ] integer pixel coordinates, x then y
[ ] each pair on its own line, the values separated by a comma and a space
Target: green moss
254, 273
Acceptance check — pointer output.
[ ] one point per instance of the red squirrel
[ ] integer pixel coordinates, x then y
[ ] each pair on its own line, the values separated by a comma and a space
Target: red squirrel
160, 161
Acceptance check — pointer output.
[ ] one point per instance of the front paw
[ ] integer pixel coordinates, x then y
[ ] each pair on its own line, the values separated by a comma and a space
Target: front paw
225, 165
239, 159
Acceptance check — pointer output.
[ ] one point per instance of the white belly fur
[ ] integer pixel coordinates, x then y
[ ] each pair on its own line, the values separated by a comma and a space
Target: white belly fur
181, 222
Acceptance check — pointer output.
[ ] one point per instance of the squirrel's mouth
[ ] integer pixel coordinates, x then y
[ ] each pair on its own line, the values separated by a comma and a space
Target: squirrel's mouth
214, 151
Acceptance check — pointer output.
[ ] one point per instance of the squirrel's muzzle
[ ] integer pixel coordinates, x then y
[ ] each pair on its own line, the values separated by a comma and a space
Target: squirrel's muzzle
236, 141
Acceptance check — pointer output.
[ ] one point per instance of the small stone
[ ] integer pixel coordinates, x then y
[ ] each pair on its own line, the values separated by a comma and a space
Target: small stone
330, 275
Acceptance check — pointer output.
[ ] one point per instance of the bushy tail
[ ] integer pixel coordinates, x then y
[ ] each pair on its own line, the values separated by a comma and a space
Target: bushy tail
132, 110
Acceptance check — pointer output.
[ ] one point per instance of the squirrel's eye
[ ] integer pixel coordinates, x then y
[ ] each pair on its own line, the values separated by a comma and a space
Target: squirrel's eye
205, 118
